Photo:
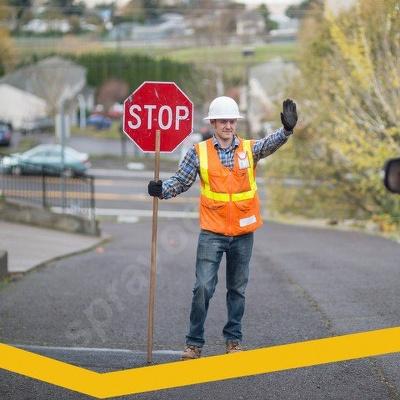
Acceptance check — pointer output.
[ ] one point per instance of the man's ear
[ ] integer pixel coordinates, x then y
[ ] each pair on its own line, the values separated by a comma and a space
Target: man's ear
212, 122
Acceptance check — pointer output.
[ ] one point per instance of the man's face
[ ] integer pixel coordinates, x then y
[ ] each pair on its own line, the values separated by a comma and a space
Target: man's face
224, 129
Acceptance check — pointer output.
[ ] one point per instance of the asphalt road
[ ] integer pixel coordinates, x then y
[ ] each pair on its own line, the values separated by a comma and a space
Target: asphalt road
118, 192
305, 283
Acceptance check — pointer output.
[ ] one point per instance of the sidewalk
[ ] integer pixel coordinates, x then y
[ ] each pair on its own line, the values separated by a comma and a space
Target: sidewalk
29, 246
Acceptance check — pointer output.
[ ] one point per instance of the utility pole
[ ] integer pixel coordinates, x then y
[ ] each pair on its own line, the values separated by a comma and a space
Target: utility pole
82, 111
62, 142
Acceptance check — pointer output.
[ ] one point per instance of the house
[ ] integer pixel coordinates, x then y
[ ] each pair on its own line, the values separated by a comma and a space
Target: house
51, 79
287, 28
169, 25
38, 25
266, 85
20, 108
56, 80
250, 23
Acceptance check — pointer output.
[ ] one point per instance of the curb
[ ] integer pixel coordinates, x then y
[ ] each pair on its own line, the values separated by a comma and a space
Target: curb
102, 240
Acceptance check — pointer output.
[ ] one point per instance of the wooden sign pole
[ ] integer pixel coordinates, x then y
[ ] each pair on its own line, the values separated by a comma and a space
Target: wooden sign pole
153, 268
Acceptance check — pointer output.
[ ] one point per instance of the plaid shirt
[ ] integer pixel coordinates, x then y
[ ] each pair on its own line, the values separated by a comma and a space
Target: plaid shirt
186, 175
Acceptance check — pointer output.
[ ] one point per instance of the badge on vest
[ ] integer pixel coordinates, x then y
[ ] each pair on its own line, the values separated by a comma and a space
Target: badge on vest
243, 160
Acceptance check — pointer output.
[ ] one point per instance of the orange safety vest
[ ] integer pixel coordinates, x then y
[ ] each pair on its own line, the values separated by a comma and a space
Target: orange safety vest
229, 201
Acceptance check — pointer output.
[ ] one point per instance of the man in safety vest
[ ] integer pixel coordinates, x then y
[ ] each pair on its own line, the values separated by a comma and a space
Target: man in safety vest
229, 212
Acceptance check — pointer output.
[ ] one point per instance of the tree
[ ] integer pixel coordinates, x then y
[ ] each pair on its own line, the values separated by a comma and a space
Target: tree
22, 8
132, 11
112, 91
349, 97
68, 7
302, 9
7, 54
136, 68
151, 9
266, 14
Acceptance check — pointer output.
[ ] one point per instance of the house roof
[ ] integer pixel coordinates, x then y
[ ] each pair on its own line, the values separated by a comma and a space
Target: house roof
49, 79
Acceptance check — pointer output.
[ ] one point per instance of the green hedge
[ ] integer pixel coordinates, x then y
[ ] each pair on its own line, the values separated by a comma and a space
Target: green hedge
136, 68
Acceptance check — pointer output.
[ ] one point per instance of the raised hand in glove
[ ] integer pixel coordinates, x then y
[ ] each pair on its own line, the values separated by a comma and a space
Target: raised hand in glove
155, 188
289, 115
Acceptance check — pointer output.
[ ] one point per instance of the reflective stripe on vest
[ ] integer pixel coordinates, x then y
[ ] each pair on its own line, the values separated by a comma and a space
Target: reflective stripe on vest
224, 197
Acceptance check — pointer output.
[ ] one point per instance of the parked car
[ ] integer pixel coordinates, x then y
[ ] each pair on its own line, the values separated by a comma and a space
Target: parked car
99, 121
39, 125
5, 133
46, 159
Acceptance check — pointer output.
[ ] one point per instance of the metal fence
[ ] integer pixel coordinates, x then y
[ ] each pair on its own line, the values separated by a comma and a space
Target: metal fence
61, 194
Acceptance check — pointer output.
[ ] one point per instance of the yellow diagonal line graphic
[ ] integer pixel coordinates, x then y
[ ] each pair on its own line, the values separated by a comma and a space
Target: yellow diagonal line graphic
177, 374
49, 370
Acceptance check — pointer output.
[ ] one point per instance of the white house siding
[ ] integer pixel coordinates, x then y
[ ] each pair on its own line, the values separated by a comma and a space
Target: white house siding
20, 107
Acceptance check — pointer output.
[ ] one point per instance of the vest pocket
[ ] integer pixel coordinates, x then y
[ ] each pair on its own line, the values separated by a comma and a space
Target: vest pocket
213, 215
212, 204
242, 180
244, 205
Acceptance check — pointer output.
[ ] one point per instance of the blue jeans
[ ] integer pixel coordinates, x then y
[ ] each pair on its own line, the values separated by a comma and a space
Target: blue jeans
210, 249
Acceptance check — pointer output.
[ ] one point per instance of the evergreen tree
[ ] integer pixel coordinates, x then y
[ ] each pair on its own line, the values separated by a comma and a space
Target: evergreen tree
266, 14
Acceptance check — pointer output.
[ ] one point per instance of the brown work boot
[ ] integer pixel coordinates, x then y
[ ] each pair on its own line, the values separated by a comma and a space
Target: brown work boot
191, 352
233, 346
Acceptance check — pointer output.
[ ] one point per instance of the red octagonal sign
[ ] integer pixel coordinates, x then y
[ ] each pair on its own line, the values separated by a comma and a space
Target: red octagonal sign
158, 105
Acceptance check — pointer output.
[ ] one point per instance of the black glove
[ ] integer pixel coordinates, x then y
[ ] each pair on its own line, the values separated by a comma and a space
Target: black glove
289, 115
155, 188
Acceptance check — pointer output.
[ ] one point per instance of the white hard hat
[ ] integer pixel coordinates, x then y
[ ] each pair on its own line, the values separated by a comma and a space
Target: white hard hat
223, 108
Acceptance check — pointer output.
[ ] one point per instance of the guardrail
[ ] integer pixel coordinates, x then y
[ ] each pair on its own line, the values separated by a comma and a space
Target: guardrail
50, 189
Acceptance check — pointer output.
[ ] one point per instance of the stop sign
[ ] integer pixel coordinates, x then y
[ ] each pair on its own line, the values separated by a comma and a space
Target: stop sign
158, 105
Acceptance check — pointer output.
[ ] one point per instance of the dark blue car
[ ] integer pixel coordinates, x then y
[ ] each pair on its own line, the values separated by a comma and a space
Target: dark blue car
99, 121
5, 134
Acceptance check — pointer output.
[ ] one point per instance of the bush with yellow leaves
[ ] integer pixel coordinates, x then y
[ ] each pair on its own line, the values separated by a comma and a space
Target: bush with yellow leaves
348, 97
